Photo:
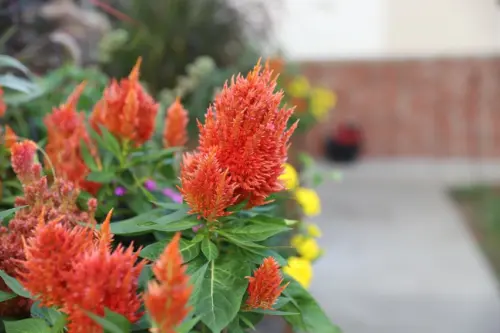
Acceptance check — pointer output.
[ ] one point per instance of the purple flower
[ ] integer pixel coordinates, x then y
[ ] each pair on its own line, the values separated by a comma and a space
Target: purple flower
120, 191
150, 185
196, 228
174, 195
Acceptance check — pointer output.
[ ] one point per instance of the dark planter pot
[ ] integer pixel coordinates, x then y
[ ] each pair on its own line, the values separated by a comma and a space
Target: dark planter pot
342, 153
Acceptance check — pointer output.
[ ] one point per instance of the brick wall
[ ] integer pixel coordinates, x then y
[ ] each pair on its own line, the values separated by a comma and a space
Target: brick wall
421, 107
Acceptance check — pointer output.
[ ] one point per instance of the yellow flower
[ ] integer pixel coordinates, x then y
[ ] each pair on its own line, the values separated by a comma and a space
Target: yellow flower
322, 100
309, 249
300, 269
297, 240
299, 87
313, 230
309, 200
290, 177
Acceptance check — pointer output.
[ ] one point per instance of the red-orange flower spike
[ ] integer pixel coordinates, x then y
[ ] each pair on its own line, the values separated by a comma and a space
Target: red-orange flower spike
175, 132
205, 186
264, 287
9, 137
167, 299
23, 156
3, 106
65, 131
50, 254
249, 134
126, 110
101, 279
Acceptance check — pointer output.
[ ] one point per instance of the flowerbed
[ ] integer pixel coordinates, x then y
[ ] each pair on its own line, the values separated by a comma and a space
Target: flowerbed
184, 245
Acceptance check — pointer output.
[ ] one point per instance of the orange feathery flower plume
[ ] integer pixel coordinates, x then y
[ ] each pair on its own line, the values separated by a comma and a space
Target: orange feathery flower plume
103, 279
175, 132
205, 186
3, 106
65, 132
23, 155
249, 134
126, 110
50, 254
9, 138
264, 287
167, 299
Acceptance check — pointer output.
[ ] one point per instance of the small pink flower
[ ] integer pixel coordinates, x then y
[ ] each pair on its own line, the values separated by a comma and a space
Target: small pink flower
120, 191
174, 195
150, 185
198, 227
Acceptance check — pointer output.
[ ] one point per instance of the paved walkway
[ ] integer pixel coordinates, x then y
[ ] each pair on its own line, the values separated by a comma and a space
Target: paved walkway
399, 257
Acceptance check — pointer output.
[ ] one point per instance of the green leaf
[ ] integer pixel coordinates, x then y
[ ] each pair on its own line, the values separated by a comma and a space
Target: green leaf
311, 318
87, 156
102, 177
8, 212
173, 217
234, 326
257, 256
14, 285
112, 322
222, 292
5, 296
50, 315
176, 226
30, 325
150, 157
257, 232
276, 313
209, 249
196, 281
7, 61
238, 240
110, 142
189, 250
140, 224
188, 325
146, 275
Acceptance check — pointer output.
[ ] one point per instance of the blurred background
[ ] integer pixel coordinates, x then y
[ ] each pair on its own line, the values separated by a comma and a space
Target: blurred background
400, 98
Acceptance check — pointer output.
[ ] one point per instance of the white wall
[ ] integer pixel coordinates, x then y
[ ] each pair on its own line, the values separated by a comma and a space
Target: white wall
332, 29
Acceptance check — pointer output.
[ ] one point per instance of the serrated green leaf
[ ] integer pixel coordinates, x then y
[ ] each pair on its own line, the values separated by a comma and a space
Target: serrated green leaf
209, 249
189, 250
14, 285
31, 325
112, 322
5, 296
257, 232
8, 212
222, 292
103, 177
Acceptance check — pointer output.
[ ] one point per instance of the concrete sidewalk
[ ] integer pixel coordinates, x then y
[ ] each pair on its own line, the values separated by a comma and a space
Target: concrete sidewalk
399, 257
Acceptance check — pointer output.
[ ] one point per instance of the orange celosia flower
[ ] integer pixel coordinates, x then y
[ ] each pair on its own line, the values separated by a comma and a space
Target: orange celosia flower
126, 110
205, 186
10, 137
65, 131
249, 134
167, 299
3, 106
175, 132
50, 254
23, 156
264, 287
101, 279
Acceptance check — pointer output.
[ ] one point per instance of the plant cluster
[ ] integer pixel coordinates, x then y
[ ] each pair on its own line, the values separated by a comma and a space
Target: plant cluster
183, 244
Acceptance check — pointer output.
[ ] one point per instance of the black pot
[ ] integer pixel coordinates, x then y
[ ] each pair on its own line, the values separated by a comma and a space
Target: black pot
342, 153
